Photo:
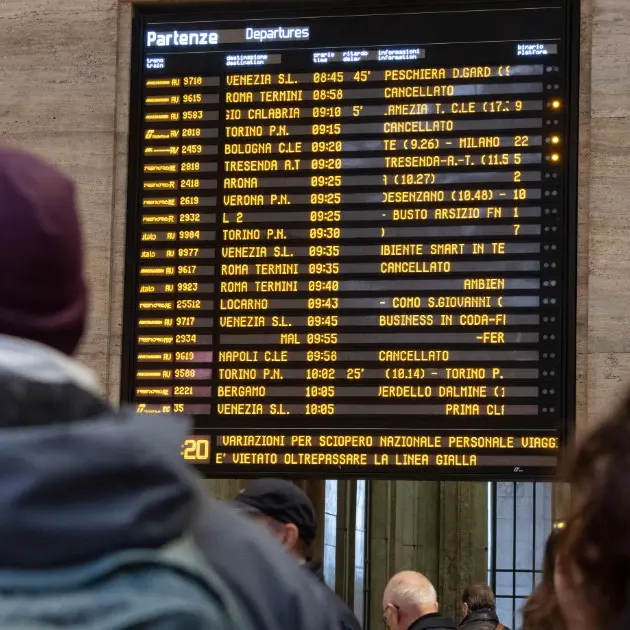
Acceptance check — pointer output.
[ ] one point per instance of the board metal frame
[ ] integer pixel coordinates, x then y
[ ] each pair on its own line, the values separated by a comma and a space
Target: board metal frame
261, 9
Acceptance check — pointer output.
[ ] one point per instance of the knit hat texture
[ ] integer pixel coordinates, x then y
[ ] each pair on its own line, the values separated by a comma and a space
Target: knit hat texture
43, 295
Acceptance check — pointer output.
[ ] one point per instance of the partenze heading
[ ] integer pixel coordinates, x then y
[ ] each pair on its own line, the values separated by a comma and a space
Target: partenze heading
213, 38
189, 38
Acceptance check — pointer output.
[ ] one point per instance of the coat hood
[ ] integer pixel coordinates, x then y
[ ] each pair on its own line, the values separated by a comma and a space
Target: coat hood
80, 480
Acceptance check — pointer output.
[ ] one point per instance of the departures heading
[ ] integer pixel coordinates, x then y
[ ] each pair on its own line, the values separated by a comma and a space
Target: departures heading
350, 239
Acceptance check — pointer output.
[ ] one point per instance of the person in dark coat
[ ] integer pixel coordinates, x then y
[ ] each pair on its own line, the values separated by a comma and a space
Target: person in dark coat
287, 512
410, 603
82, 480
479, 609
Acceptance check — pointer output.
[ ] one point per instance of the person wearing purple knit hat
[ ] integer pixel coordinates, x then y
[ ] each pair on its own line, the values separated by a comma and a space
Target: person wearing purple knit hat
103, 524
42, 290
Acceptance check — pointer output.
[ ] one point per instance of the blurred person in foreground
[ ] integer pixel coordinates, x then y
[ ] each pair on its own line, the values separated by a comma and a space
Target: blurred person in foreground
479, 610
410, 603
542, 611
103, 525
592, 572
288, 514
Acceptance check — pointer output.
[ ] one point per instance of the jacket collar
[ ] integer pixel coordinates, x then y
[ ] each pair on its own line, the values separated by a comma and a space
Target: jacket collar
316, 568
432, 620
34, 361
81, 480
39, 385
484, 614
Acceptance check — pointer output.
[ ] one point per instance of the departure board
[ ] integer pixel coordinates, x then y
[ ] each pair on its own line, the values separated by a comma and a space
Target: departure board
351, 236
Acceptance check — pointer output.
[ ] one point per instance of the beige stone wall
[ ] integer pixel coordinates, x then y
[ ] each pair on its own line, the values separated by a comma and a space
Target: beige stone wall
58, 98
605, 209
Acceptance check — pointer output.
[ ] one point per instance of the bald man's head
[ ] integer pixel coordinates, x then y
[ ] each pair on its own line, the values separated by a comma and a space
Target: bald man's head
407, 597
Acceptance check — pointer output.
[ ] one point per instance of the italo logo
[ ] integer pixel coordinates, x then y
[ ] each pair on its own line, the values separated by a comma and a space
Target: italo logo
189, 38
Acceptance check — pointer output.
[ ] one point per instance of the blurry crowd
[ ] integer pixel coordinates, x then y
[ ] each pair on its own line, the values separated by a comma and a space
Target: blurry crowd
104, 526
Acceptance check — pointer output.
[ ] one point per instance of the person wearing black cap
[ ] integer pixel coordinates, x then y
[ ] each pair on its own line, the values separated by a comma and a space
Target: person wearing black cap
289, 515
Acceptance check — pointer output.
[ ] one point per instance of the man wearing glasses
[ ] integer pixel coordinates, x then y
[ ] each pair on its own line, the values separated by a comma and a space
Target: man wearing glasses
410, 603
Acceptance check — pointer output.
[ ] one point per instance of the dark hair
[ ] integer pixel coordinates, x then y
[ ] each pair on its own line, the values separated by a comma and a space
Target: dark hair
302, 548
595, 545
541, 611
305, 550
478, 596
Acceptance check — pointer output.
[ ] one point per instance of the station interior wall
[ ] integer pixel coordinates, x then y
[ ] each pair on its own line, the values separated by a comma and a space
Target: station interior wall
65, 95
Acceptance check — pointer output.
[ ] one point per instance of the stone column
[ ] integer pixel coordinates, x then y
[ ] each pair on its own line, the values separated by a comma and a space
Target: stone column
463, 540
561, 498
316, 490
437, 528
345, 540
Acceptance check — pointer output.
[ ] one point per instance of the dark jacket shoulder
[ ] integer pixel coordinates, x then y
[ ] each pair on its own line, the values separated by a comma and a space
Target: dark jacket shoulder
347, 619
484, 619
123, 485
264, 578
433, 621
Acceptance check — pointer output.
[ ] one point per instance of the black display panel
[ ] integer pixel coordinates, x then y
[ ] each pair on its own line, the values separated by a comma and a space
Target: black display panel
351, 236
